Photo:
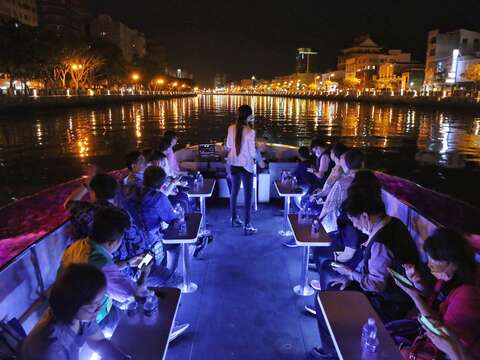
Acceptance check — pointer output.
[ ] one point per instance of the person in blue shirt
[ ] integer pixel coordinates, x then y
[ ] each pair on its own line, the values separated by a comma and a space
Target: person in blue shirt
154, 212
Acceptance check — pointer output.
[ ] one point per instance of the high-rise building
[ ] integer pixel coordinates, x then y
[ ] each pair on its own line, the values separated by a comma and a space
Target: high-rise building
220, 81
68, 18
448, 56
24, 12
305, 63
131, 42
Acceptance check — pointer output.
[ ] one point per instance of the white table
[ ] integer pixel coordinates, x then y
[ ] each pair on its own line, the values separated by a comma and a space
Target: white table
202, 191
302, 233
172, 236
286, 191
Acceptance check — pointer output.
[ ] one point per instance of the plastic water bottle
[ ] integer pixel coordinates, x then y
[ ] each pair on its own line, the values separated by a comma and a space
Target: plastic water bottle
369, 336
199, 178
302, 216
182, 225
315, 228
294, 182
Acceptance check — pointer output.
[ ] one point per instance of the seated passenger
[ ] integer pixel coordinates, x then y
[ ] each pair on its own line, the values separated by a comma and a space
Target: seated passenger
350, 162
323, 164
168, 143
155, 212
103, 194
172, 185
304, 177
455, 300
136, 165
338, 149
108, 229
74, 302
389, 246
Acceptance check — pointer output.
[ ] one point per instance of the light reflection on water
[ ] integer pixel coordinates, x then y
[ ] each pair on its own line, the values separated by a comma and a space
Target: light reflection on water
37, 150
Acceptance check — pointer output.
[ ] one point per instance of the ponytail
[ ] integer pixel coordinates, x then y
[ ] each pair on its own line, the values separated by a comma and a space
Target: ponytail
244, 112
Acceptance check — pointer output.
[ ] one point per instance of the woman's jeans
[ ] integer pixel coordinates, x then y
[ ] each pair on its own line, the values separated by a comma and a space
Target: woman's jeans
239, 174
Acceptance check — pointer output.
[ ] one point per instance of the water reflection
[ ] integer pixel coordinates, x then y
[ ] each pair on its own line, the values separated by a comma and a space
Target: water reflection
72, 136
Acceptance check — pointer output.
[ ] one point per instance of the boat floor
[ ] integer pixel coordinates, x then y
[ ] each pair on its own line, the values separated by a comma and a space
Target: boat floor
245, 307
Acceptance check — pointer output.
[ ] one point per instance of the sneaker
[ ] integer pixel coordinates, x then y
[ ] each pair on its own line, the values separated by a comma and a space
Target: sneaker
319, 354
310, 310
291, 243
250, 230
177, 330
315, 284
236, 222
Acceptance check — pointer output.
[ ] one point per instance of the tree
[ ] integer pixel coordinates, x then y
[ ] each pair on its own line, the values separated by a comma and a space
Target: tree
114, 70
82, 68
351, 82
473, 74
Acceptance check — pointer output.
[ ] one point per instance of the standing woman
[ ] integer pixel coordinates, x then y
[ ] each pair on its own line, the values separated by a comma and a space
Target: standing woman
241, 154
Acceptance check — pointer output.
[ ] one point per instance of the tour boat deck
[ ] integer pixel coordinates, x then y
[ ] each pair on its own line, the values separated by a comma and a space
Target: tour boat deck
245, 307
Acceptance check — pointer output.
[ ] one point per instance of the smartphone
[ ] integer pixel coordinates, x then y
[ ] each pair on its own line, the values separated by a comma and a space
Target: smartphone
429, 325
400, 277
147, 259
335, 265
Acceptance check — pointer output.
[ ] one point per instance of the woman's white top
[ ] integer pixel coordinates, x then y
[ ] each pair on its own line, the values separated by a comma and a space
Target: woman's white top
247, 153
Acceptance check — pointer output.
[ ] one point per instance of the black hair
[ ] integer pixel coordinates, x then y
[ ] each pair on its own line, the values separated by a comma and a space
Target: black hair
354, 159
448, 245
108, 224
318, 143
131, 158
154, 177
168, 136
304, 152
244, 111
157, 155
147, 152
76, 286
163, 146
104, 186
363, 200
339, 149
366, 180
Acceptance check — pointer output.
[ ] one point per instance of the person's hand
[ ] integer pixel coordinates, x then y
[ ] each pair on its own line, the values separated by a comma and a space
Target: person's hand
310, 170
412, 274
447, 342
411, 291
320, 201
342, 282
135, 261
342, 269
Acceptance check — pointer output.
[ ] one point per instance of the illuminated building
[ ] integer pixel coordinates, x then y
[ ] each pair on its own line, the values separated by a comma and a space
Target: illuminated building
362, 61
220, 81
448, 55
390, 75
412, 79
24, 12
131, 42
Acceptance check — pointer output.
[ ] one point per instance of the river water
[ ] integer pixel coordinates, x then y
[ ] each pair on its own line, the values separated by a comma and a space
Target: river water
439, 149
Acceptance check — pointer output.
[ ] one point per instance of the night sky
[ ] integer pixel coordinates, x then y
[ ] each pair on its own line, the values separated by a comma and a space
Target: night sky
259, 37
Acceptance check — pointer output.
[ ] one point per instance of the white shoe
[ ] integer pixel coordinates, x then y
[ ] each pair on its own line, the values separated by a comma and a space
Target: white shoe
315, 284
177, 331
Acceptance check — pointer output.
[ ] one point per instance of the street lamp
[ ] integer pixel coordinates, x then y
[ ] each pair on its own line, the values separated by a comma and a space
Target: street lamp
135, 77
160, 81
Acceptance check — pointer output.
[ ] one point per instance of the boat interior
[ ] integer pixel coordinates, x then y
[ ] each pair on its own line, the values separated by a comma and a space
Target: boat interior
244, 307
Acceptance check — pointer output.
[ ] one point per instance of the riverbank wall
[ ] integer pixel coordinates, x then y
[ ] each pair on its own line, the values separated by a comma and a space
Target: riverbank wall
30, 103
424, 101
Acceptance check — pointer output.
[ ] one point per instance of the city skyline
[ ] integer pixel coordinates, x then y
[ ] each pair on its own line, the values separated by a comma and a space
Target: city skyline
207, 38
